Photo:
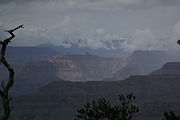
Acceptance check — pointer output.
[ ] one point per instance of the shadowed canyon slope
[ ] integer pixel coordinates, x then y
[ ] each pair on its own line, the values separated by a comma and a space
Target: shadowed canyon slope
155, 94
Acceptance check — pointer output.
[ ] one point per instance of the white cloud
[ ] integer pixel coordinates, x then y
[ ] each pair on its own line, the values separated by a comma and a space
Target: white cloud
141, 40
31, 36
145, 39
176, 29
101, 4
175, 36
100, 31
64, 22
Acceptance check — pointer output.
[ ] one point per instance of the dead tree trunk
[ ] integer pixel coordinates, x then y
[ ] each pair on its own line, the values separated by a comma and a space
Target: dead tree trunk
4, 91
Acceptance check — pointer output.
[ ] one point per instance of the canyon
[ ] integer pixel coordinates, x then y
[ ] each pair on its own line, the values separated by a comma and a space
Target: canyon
155, 94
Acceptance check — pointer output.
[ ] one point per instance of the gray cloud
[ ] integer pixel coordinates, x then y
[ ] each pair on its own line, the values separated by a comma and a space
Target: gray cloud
101, 4
109, 24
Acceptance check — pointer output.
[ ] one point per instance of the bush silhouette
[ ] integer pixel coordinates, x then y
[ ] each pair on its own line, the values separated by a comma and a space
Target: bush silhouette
170, 116
103, 110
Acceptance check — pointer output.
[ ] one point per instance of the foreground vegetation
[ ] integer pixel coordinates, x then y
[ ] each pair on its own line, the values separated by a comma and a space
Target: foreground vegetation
124, 110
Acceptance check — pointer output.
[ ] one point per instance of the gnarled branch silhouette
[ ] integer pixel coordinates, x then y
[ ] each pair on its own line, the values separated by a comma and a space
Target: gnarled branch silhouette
4, 91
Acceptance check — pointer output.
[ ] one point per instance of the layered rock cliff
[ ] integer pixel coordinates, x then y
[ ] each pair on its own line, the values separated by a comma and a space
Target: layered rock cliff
86, 67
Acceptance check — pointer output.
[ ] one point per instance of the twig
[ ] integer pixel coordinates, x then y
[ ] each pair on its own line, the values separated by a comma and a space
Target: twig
5, 87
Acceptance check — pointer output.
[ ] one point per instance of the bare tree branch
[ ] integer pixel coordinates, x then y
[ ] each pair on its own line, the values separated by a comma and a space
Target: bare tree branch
5, 88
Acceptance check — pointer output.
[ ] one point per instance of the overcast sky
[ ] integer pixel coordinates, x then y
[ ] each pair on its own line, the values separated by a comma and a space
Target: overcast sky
137, 24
